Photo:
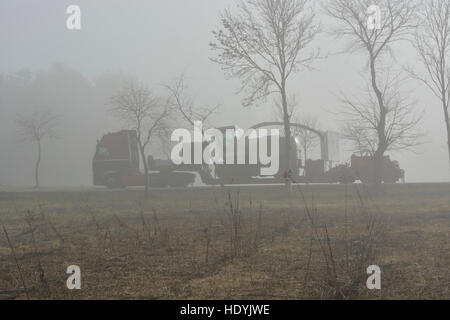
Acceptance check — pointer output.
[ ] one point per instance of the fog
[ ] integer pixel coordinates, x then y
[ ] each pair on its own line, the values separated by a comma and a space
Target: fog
43, 64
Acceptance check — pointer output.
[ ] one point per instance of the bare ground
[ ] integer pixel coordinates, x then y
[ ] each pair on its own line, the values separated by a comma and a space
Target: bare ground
241, 243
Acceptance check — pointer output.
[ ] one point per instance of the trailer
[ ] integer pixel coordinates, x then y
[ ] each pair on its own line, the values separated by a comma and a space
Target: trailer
116, 164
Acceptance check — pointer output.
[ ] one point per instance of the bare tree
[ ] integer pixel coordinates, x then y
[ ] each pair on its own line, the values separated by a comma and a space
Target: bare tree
35, 128
362, 143
185, 105
432, 43
143, 112
292, 108
186, 108
363, 118
307, 139
376, 40
278, 112
263, 44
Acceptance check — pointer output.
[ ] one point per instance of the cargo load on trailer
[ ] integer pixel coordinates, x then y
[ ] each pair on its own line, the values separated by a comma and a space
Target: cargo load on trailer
116, 164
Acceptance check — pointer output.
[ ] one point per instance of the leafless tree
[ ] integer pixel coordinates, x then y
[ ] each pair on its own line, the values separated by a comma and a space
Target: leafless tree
362, 116
185, 106
143, 112
263, 44
376, 40
432, 42
362, 143
187, 111
308, 139
292, 108
35, 128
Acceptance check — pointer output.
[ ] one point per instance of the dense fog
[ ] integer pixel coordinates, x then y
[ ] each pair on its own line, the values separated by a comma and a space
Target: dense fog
45, 65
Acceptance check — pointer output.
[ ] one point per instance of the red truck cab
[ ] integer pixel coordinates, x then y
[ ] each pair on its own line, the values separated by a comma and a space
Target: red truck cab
116, 160
116, 164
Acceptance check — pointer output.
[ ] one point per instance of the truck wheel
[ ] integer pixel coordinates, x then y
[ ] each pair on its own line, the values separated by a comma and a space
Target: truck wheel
346, 180
112, 182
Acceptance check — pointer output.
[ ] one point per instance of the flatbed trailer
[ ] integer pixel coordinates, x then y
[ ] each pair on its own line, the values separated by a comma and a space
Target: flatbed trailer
116, 164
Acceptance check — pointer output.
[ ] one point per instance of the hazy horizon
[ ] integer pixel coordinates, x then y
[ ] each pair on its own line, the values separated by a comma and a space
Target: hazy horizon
75, 72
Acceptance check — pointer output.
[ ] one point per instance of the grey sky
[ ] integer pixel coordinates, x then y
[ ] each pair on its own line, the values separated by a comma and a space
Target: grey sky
157, 40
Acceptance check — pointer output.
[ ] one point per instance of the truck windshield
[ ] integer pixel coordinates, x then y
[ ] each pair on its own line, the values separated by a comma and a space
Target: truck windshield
102, 152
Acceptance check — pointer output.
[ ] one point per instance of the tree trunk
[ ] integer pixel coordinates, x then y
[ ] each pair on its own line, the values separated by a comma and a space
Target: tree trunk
145, 170
447, 124
378, 167
305, 154
287, 133
38, 162
381, 148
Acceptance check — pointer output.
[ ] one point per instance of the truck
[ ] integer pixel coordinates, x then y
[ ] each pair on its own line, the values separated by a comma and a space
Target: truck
363, 169
116, 164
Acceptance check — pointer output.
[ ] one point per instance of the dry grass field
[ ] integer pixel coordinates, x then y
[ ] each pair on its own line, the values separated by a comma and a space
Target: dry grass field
240, 243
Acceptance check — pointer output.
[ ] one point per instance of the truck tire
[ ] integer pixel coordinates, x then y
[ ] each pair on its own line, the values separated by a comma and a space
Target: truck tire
346, 180
180, 179
113, 182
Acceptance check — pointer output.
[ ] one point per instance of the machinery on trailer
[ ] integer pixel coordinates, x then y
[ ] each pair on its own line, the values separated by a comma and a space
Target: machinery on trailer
116, 164
363, 169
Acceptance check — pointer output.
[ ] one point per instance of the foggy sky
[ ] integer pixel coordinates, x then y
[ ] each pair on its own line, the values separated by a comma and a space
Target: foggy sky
155, 41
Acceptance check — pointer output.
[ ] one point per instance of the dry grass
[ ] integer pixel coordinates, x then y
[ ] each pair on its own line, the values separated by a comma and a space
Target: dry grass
260, 243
